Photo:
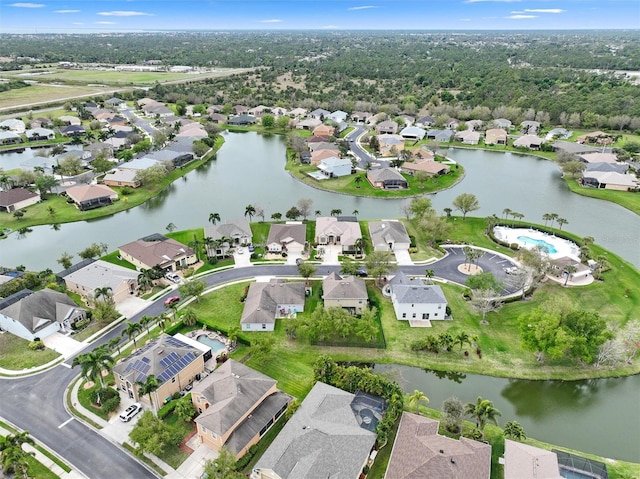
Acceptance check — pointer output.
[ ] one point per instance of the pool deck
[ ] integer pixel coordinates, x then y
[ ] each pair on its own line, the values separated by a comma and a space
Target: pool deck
563, 247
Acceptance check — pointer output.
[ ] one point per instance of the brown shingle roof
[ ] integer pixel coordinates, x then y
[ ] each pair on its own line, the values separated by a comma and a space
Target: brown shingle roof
15, 195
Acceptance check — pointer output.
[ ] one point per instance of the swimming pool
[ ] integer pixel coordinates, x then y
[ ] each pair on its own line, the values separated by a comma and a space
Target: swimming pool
215, 344
574, 474
547, 247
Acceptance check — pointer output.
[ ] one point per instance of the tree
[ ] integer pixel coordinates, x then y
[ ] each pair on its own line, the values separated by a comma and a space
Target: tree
114, 344
145, 322
18, 214
276, 216
151, 434
150, 385
416, 398
70, 166
419, 207
171, 227
189, 317
513, 430
193, 287
466, 202
293, 213
435, 228
105, 292
357, 180
429, 274
283, 122
93, 363
379, 264
448, 211
185, 409
568, 271
261, 347
45, 183
541, 333
214, 218
93, 251
573, 168
223, 467
145, 279
336, 212
268, 121
461, 338
249, 211
452, 414
483, 281
588, 331
506, 212
304, 206
101, 164
546, 217
65, 260
482, 411
132, 330
485, 301
13, 458
561, 222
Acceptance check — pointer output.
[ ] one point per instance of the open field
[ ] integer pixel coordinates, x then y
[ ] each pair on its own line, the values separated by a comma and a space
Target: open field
37, 94
17, 355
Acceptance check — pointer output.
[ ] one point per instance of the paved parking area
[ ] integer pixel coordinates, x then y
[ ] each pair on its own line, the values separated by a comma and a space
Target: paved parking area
63, 344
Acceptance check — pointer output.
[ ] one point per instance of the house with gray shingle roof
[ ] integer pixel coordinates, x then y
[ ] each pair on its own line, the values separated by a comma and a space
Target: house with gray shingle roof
174, 362
389, 235
386, 178
327, 437
347, 292
289, 237
7, 137
413, 133
267, 301
530, 127
332, 230
522, 461
237, 405
420, 452
387, 127
415, 301
440, 135
101, 274
621, 168
39, 314
574, 148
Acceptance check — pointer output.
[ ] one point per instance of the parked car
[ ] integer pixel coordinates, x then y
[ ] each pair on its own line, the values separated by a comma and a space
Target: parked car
131, 411
299, 261
362, 272
511, 270
172, 277
171, 300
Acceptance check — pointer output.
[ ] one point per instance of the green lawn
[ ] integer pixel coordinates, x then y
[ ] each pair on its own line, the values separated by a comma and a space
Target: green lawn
626, 199
113, 258
171, 454
17, 355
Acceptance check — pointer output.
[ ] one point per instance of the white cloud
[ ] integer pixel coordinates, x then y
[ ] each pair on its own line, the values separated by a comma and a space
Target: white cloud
271, 20
26, 5
363, 7
521, 17
330, 27
66, 11
77, 23
105, 23
544, 10
124, 13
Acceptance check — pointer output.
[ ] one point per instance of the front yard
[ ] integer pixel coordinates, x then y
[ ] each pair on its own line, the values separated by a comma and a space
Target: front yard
16, 354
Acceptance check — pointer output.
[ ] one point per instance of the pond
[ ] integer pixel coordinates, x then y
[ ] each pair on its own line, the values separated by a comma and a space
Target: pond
599, 416
249, 170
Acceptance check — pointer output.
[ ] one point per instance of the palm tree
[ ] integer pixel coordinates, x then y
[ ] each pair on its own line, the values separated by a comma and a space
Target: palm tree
249, 211
132, 330
317, 213
336, 212
415, 398
145, 279
114, 344
513, 430
516, 215
358, 179
162, 320
189, 317
463, 337
482, 411
214, 218
568, 271
145, 322
106, 293
359, 245
13, 458
561, 223
506, 212
93, 363
552, 218
429, 275
149, 386
546, 217
448, 211
355, 212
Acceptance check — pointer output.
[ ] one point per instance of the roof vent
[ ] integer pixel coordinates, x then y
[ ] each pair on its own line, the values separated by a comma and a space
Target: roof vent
160, 351
441, 451
453, 461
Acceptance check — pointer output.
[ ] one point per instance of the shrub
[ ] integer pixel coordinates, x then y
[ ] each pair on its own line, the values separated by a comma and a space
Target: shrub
126, 191
514, 246
167, 409
36, 345
244, 460
111, 404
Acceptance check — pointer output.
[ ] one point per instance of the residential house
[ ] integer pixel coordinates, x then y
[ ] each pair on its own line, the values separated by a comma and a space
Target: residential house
347, 292
240, 109
241, 120
574, 148
114, 102
116, 121
288, 237
217, 118
326, 437
559, 133
360, 116
13, 124
387, 127
41, 122
390, 144
442, 136
468, 137
430, 167
530, 127
531, 142
598, 157
237, 405
29, 315
119, 177
123, 282
72, 130
420, 452
452, 124
235, 232
333, 231
38, 134
259, 111
139, 164
17, 199
501, 123
610, 180
317, 139
335, 167
267, 301
386, 178
158, 250
298, 113
388, 235
415, 301
425, 121
324, 130
338, 116
319, 114
474, 125
308, 124
88, 197
70, 120
522, 461
175, 158
323, 145
173, 362
317, 156
414, 133
408, 119
621, 168
597, 137
495, 136
305, 156
9, 137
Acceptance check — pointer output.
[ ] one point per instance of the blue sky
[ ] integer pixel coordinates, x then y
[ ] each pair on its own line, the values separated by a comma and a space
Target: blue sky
40, 16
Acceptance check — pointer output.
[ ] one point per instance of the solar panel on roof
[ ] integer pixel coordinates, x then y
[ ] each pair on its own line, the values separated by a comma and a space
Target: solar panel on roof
146, 360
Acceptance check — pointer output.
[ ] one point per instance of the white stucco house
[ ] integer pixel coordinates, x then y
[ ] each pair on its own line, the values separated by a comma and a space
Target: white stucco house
289, 238
267, 301
389, 235
415, 301
334, 167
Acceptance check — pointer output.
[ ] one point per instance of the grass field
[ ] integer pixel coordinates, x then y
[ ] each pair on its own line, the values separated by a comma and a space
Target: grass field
17, 355
626, 199
43, 94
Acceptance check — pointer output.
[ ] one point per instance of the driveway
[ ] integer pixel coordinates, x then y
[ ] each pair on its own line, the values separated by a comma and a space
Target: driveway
331, 253
403, 257
63, 344
132, 305
242, 257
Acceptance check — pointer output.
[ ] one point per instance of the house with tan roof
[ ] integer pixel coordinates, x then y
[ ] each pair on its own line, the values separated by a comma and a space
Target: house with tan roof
318, 156
390, 144
387, 127
522, 461
495, 136
468, 137
237, 405
265, 302
330, 230
120, 177
324, 130
158, 250
360, 116
598, 157
531, 142
84, 280
420, 452
17, 199
610, 180
88, 197
289, 237
430, 167
347, 292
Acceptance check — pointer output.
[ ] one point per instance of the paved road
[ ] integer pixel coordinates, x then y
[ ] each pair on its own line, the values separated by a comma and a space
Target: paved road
360, 153
36, 403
